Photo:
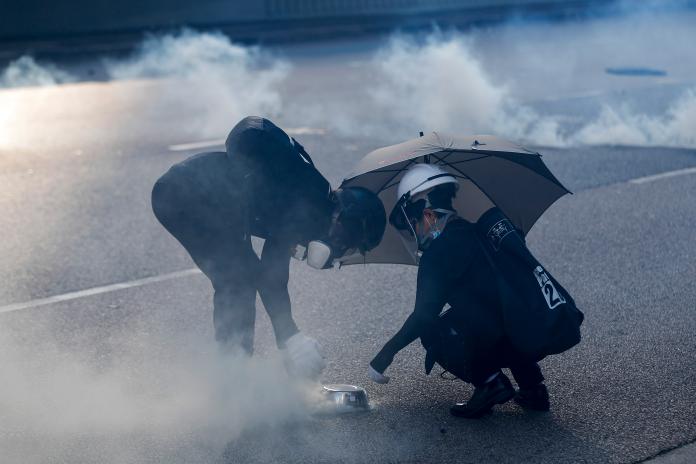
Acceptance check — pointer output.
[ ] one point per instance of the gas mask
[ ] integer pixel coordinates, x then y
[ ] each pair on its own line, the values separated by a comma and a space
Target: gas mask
357, 225
319, 254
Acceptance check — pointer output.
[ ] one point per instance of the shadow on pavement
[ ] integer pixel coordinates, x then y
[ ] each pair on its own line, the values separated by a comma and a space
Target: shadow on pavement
509, 435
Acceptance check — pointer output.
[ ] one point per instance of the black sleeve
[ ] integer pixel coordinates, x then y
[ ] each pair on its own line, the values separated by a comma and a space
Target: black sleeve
438, 272
273, 288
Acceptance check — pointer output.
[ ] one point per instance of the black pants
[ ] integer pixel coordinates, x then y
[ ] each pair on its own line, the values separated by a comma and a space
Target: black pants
214, 236
451, 350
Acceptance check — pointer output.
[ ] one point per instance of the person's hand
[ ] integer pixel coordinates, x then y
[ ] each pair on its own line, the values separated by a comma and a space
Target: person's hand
303, 356
376, 376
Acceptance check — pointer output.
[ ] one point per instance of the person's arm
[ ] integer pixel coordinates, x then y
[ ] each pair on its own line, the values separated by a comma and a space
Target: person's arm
273, 288
302, 353
433, 286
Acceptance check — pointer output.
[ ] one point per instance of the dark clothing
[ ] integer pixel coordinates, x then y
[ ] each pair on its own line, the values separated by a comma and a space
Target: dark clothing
455, 271
288, 197
213, 202
540, 317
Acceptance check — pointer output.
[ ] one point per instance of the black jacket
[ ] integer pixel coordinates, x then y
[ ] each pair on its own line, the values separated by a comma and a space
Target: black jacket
265, 179
264, 185
506, 307
454, 271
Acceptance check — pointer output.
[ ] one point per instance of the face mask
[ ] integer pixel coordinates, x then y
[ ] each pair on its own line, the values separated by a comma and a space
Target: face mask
319, 254
424, 241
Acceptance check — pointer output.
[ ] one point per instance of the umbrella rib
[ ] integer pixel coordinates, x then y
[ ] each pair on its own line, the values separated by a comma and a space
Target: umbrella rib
388, 184
467, 160
475, 183
379, 171
550, 176
384, 185
489, 197
442, 160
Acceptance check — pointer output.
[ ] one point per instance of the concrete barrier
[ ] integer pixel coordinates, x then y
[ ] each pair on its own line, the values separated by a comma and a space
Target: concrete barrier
39, 19
337, 8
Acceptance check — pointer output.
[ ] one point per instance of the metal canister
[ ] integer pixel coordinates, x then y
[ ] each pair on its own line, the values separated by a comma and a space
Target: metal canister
347, 397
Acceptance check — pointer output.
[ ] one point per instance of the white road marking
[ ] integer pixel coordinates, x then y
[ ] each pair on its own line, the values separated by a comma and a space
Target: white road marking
98, 290
196, 145
221, 142
306, 131
663, 175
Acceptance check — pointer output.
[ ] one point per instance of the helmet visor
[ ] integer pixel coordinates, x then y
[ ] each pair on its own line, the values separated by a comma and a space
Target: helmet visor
406, 214
406, 227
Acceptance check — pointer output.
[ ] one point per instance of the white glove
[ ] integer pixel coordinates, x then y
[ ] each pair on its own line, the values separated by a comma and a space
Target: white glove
303, 356
376, 376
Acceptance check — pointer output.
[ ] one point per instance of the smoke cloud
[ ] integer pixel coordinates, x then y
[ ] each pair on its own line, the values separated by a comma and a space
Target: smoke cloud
543, 83
442, 84
207, 80
25, 71
195, 85
62, 404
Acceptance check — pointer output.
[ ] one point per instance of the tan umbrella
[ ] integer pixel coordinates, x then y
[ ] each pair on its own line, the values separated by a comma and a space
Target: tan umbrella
491, 171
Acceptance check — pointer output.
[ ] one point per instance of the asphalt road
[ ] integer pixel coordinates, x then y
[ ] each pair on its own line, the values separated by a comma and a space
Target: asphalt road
117, 376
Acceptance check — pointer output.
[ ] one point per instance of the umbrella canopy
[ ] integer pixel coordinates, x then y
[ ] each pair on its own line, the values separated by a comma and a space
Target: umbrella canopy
491, 171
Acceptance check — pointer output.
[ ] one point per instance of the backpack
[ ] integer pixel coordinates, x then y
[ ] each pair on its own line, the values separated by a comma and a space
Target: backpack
540, 317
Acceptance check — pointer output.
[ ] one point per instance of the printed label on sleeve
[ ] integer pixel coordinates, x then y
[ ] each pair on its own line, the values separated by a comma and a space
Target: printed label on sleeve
548, 289
499, 231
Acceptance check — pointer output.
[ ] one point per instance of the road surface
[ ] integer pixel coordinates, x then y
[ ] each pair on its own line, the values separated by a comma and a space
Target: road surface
97, 372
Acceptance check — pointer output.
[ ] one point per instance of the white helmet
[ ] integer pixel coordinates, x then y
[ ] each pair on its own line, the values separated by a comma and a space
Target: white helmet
422, 177
418, 181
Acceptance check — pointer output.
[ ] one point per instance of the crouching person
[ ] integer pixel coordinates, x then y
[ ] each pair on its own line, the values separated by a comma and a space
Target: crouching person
472, 339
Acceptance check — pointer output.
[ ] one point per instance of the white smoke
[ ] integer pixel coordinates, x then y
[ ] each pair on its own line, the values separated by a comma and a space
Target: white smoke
497, 80
25, 71
441, 84
205, 79
146, 402
194, 85
621, 126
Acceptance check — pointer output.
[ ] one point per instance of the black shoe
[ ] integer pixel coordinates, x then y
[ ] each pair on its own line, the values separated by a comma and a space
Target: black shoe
535, 398
497, 391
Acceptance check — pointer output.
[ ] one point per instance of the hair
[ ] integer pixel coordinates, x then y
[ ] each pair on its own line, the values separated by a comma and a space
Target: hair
441, 196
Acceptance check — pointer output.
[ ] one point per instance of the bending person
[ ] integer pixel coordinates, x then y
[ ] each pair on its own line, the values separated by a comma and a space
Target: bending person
264, 185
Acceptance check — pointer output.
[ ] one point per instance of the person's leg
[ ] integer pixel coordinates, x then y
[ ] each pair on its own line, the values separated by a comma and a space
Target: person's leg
532, 393
233, 278
454, 352
495, 389
527, 375
222, 252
